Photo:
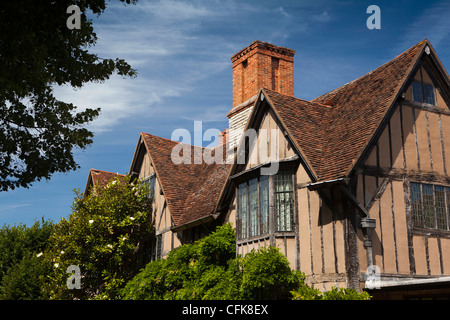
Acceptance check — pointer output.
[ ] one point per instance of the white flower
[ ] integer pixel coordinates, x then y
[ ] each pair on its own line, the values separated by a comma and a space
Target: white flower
62, 251
132, 218
91, 221
124, 238
39, 254
56, 265
109, 246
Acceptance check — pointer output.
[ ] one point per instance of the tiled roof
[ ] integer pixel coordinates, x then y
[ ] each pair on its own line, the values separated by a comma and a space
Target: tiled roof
191, 190
99, 178
334, 129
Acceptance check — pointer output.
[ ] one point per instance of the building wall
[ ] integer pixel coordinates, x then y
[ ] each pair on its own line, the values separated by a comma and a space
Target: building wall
321, 236
414, 146
161, 212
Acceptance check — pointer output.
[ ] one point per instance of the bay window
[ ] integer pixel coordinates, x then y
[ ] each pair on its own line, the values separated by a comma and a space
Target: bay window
253, 203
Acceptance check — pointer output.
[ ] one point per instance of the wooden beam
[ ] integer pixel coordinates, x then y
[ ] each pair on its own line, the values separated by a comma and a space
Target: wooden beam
362, 210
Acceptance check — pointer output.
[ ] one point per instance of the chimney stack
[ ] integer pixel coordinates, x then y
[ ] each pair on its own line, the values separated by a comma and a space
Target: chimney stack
260, 65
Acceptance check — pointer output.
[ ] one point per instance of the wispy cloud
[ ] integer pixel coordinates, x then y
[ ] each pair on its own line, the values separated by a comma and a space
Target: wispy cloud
175, 45
322, 17
9, 207
433, 24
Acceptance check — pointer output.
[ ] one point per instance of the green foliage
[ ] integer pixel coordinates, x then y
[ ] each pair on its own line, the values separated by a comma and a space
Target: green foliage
306, 293
209, 269
265, 272
23, 271
38, 52
104, 237
188, 272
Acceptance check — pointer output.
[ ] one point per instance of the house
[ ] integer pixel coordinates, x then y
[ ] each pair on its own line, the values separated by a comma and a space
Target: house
353, 186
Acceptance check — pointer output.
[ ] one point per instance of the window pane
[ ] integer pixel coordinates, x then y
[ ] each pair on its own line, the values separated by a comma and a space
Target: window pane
417, 91
242, 211
447, 196
253, 196
416, 204
429, 94
284, 201
152, 187
159, 246
283, 181
264, 203
428, 205
439, 199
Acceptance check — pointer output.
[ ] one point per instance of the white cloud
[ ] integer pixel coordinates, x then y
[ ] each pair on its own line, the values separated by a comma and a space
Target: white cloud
118, 99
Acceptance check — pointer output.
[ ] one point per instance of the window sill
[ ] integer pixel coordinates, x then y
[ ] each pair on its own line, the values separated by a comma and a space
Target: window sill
266, 237
260, 238
287, 234
430, 231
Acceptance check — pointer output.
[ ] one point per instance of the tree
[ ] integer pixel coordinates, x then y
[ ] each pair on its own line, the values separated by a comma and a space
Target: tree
37, 51
23, 271
106, 237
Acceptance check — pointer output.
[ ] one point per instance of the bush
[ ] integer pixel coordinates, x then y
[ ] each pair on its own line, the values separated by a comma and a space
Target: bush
188, 272
306, 293
104, 236
209, 269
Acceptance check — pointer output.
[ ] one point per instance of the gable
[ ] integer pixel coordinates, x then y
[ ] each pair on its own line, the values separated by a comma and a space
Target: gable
190, 190
421, 79
414, 135
269, 143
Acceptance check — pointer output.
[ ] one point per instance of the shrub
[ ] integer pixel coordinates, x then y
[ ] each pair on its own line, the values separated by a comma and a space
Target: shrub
104, 236
306, 293
209, 269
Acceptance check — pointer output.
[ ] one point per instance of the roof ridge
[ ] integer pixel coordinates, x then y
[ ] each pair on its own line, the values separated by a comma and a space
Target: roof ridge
179, 142
296, 98
425, 41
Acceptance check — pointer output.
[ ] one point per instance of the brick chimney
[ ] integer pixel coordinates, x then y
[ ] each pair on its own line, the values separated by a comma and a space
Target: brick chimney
223, 137
260, 65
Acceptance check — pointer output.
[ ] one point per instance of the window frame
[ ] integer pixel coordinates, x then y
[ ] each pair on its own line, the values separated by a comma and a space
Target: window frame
432, 212
419, 87
151, 180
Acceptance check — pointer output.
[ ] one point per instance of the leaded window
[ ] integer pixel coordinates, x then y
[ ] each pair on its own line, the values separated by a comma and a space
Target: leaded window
253, 198
284, 201
430, 205
423, 93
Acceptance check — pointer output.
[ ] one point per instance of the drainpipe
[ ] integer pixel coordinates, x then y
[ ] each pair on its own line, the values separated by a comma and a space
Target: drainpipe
367, 226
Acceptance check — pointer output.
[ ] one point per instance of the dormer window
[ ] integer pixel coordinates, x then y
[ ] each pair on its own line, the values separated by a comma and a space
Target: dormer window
423, 93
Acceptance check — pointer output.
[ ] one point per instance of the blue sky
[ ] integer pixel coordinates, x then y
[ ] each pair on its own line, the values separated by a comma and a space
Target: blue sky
182, 52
